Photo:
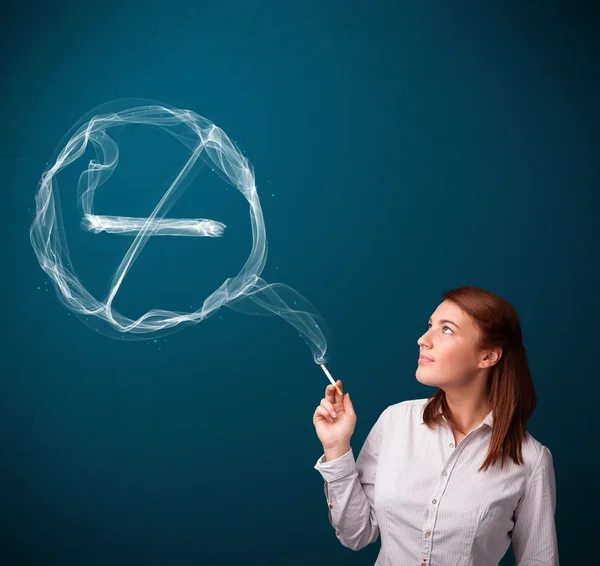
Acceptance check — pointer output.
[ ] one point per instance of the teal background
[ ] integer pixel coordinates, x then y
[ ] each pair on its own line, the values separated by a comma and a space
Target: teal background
400, 149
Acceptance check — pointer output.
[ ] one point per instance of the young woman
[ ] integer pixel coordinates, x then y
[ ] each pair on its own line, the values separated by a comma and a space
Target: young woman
453, 479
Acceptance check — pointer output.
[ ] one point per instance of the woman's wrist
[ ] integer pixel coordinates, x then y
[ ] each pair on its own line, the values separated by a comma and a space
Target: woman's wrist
333, 452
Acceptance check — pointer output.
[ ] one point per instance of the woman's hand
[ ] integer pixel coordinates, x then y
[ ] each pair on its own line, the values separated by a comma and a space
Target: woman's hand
334, 431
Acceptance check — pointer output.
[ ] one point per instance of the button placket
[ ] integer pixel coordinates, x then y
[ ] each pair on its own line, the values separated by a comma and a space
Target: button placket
426, 540
427, 532
451, 436
454, 455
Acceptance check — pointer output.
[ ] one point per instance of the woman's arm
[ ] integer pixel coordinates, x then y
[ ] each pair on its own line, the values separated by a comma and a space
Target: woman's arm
534, 537
350, 489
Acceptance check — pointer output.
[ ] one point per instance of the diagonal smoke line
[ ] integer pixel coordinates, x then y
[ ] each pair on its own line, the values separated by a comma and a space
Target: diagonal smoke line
207, 144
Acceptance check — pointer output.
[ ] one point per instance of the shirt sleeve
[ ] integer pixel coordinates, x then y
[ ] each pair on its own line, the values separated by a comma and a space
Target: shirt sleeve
534, 537
350, 488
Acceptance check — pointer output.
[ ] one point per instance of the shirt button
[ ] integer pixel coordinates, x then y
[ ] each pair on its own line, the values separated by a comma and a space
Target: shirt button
427, 533
452, 445
444, 473
434, 501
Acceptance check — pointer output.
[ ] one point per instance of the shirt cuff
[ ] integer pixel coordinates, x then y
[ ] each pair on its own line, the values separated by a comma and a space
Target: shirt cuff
337, 468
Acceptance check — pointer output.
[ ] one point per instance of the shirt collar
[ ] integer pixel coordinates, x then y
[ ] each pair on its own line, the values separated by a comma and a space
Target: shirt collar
489, 419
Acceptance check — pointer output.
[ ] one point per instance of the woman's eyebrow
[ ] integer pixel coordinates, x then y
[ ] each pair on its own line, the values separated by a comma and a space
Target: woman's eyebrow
446, 320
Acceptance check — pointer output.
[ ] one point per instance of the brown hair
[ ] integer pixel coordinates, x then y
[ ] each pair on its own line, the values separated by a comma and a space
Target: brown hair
510, 387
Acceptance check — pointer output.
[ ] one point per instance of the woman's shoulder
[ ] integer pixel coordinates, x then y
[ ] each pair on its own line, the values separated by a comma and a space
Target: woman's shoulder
536, 454
407, 408
410, 403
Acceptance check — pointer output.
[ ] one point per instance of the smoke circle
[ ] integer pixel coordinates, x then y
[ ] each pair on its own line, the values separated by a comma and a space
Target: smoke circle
208, 144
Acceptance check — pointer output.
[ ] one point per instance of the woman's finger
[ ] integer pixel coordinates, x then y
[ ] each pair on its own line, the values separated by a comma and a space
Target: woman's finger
328, 406
324, 413
338, 397
331, 392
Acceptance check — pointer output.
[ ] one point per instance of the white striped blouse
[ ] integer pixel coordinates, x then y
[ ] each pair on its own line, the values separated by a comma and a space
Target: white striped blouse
430, 504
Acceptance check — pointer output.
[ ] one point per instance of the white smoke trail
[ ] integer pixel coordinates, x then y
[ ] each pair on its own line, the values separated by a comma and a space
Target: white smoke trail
162, 227
206, 143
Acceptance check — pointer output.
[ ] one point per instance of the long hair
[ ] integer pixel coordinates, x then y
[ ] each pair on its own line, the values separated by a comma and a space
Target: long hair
510, 387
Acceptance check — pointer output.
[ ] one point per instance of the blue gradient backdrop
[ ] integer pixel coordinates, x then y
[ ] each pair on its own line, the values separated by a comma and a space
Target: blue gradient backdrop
400, 150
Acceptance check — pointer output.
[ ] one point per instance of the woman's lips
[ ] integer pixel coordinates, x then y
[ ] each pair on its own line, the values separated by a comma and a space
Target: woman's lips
425, 361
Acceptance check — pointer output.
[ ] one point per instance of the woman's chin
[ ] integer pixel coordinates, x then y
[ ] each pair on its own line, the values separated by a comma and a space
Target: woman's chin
422, 377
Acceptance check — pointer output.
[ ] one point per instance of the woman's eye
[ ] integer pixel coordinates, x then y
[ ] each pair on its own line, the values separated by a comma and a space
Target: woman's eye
444, 327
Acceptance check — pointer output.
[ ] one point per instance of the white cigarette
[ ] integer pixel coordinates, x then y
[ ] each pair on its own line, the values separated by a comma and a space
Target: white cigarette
330, 378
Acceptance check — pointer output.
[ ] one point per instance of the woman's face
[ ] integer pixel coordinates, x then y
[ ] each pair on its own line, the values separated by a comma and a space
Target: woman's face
452, 342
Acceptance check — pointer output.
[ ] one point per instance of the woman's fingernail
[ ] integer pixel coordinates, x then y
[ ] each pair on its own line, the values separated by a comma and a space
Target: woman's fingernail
333, 414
